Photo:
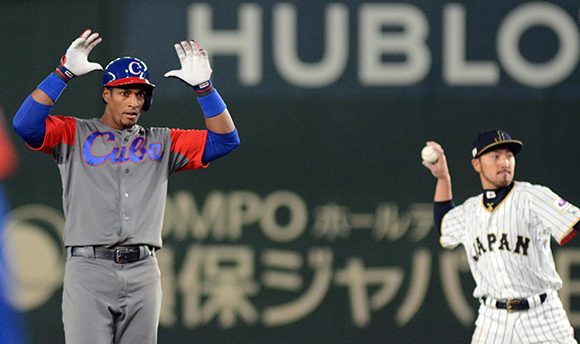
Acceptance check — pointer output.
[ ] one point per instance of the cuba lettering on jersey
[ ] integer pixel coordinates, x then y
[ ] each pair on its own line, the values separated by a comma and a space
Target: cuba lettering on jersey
135, 152
122, 173
508, 247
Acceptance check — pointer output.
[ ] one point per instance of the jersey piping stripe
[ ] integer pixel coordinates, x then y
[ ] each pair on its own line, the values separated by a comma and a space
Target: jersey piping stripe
568, 234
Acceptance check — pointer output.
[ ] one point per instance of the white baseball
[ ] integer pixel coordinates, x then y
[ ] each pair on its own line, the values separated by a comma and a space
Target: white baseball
428, 154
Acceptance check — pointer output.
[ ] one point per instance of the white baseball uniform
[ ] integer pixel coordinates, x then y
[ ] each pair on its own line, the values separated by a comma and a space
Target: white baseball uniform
508, 250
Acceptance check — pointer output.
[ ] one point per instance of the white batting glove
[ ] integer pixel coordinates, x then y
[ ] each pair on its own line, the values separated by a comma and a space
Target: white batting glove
195, 69
76, 61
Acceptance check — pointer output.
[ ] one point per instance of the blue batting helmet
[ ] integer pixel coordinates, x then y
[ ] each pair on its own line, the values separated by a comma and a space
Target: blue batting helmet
128, 71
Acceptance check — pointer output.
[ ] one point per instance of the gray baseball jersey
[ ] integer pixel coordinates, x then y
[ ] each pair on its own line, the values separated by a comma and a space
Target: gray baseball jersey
508, 248
115, 181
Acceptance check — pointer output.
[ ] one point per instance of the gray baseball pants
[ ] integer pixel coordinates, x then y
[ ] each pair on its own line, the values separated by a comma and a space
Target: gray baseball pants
108, 303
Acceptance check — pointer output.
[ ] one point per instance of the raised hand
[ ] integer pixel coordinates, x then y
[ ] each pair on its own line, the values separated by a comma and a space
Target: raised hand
195, 69
76, 60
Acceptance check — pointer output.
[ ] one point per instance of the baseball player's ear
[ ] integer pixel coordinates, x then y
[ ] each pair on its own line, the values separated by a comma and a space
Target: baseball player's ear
476, 165
106, 95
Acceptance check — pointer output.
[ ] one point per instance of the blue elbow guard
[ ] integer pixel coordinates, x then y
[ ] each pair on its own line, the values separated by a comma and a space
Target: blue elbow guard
218, 145
29, 121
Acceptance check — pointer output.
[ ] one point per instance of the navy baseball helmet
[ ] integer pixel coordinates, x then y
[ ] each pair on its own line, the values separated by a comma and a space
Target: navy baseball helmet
494, 139
129, 71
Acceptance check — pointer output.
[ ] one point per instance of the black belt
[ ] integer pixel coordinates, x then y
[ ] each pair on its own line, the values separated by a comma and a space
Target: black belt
515, 305
118, 254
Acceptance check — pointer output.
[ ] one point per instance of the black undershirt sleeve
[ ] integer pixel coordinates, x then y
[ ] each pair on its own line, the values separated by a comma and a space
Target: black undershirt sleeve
439, 210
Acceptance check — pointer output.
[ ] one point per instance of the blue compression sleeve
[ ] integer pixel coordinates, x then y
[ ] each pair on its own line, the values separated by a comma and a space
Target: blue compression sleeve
439, 210
218, 145
29, 121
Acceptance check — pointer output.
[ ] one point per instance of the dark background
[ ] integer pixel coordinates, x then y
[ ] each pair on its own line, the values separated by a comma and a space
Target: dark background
345, 143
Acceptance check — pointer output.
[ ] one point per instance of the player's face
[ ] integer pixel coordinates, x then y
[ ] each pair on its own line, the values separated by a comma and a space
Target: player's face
124, 106
496, 168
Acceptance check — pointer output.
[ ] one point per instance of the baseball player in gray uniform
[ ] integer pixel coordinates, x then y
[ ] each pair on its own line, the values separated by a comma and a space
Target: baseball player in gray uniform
114, 177
506, 234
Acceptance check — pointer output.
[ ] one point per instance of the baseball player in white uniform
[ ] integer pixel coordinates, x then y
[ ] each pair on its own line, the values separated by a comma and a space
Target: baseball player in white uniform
506, 235
114, 177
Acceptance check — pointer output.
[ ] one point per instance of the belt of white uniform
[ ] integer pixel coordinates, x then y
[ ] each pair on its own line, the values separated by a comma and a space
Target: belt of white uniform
515, 305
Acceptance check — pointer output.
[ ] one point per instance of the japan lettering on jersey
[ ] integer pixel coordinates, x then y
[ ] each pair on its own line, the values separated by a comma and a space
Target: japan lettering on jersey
508, 247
